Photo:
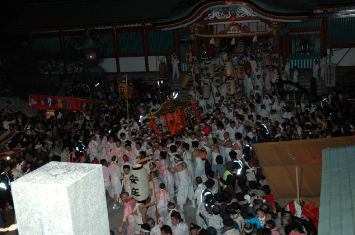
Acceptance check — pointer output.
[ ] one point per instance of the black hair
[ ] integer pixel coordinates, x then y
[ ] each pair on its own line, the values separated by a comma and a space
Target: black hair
216, 210
230, 209
171, 204
253, 184
219, 159
173, 148
270, 224
163, 154
272, 214
126, 167
210, 174
194, 144
145, 226
166, 229
177, 216
265, 231
228, 223
219, 197
186, 146
162, 186
198, 180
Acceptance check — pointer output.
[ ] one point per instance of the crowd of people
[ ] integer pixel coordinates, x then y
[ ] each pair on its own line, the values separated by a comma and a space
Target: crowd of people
210, 164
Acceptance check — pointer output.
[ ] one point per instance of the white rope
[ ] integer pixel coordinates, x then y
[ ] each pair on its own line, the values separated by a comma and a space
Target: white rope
11, 228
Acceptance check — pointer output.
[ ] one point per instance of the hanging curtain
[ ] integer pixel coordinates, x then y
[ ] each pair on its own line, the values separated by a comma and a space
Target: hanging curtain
196, 111
152, 124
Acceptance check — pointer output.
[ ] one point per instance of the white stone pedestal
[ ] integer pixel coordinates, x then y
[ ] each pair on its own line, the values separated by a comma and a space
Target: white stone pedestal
61, 199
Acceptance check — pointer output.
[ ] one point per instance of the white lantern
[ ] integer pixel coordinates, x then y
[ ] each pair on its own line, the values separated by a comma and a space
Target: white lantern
206, 91
268, 60
187, 79
230, 84
138, 177
197, 67
228, 68
224, 56
209, 69
217, 80
188, 56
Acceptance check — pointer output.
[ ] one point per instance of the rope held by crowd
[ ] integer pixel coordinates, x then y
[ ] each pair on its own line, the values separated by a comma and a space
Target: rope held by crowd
13, 227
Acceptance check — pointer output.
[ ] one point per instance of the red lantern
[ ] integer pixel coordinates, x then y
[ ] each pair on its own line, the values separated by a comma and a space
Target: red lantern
207, 130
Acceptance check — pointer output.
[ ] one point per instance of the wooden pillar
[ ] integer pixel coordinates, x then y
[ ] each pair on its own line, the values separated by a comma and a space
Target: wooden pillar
61, 40
195, 47
116, 48
145, 48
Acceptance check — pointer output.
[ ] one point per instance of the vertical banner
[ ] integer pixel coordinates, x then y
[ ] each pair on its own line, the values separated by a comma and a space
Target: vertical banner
330, 75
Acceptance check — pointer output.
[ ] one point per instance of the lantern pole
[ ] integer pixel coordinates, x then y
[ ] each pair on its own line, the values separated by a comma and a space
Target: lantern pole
297, 185
127, 96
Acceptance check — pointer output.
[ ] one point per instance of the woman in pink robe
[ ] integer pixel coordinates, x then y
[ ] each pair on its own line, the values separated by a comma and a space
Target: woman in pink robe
128, 214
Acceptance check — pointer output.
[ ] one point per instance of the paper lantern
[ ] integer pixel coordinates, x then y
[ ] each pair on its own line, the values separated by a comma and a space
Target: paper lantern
187, 79
197, 68
206, 91
216, 80
240, 47
122, 89
224, 56
207, 130
268, 60
163, 70
228, 68
275, 59
247, 68
230, 84
131, 91
138, 177
240, 72
188, 57
209, 68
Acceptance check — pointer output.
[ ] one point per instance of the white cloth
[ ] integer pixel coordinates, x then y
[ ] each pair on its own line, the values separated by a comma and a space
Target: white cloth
93, 150
185, 189
181, 229
115, 173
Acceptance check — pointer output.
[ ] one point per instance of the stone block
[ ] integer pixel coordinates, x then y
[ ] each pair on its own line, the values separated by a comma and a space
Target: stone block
61, 199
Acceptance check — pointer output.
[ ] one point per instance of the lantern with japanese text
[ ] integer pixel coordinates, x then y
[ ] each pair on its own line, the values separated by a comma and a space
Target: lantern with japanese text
275, 59
240, 72
230, 84
209, 68
163, 70
138, 177
187, 79
188, 57
197, 67
240, 47
228, 68
216, 80
206, 91
130, 91
224, 56
122, 89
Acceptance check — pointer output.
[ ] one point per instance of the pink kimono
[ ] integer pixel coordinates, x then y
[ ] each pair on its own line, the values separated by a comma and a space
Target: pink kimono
128, 216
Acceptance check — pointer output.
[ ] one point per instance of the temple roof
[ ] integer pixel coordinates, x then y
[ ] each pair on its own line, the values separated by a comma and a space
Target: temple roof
269, 7
57, 14
49, 14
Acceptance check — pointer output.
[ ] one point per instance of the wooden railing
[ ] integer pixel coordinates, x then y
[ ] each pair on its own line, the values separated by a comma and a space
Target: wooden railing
304, 60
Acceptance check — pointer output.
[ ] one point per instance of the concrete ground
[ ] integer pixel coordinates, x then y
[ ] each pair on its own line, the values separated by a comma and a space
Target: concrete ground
115, 216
